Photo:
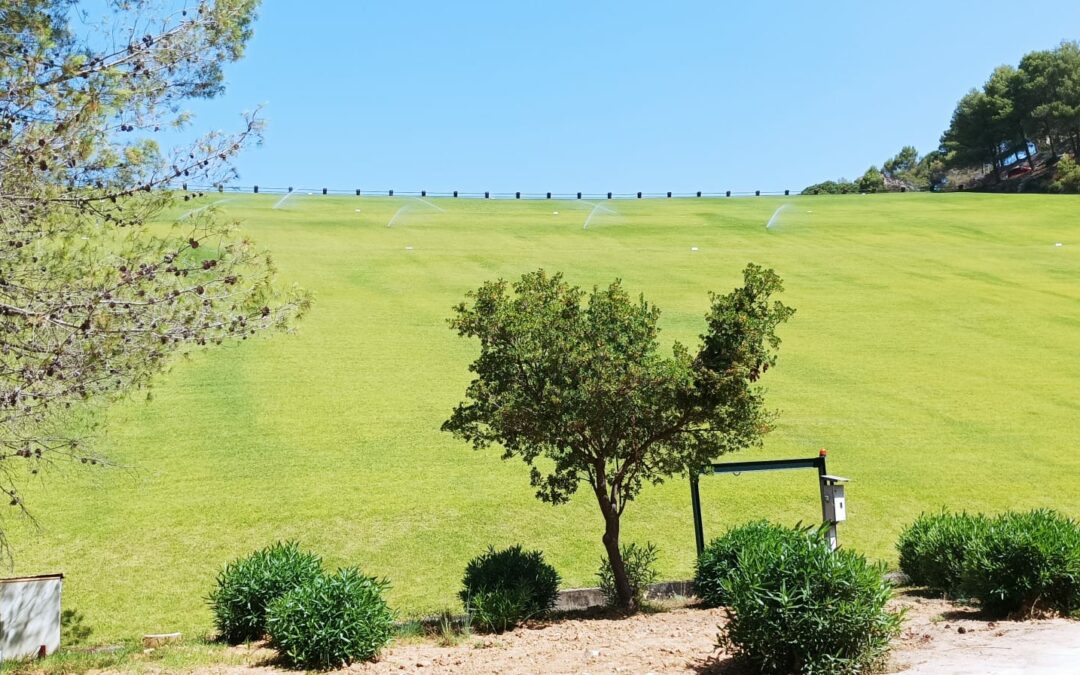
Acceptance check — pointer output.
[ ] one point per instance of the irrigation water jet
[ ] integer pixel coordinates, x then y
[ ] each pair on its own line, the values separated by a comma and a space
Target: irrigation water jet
775, 215
396, 214
424, 201
193, 212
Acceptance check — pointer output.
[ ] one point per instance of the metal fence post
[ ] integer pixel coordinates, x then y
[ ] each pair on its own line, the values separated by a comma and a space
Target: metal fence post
695, 501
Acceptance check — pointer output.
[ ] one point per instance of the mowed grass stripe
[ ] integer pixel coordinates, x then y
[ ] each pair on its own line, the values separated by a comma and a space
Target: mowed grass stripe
932, 353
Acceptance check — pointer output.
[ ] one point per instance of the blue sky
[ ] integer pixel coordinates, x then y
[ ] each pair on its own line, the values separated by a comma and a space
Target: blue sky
621, 96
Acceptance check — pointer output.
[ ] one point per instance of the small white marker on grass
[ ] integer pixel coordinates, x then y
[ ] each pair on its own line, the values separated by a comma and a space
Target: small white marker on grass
554, 213
1058, 244
693, 248
408, 248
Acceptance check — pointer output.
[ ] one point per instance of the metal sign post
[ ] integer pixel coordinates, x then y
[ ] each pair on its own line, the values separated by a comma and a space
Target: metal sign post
833, 502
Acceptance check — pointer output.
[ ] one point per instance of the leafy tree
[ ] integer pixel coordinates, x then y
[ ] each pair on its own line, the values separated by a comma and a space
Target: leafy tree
574, 384
831, 187
871, 181
904, 162
1066, 176
970, 138
93, 301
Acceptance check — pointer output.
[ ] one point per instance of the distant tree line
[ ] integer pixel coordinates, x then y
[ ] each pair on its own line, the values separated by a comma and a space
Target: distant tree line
1019, 111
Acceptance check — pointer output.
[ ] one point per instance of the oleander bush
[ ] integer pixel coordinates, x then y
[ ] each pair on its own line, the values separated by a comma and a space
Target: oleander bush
640, 562
247, 585
721, 556
934, 549
330, 621
502, 588
795, 605
1026, 563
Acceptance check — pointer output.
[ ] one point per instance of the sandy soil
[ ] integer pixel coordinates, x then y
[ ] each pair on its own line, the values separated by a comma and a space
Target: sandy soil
938, 639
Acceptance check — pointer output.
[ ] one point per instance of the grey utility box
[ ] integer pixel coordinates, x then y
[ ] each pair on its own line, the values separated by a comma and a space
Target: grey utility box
30, 616
835, 505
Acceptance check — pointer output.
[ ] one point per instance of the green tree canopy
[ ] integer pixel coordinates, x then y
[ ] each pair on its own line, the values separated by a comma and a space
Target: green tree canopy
575, 385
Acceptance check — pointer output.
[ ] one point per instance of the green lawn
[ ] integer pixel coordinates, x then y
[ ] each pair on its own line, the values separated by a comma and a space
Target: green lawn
934, 354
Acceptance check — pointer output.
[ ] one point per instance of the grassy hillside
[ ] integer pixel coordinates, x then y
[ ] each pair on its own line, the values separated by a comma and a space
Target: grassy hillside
933, 354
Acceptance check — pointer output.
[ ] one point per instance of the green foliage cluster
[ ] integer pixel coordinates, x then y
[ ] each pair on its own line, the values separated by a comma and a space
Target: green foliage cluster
95, 301
832, 187
1066, 176
1015, 563
934, 549
640, 562
330, 621
502, 588
797, 606
1026, 563
906, 170
247, 586
721, 557
1037, 101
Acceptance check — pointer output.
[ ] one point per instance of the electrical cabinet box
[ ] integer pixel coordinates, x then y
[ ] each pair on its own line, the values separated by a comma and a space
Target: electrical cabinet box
29, 616
835, 504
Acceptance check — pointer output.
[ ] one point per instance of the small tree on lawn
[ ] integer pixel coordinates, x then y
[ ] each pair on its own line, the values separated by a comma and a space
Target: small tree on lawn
575, 385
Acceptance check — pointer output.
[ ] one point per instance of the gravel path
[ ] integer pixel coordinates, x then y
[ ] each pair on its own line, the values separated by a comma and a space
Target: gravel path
938, 639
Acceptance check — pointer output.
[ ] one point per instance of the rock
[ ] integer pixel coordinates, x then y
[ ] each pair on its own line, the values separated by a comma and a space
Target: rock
898, 579
961, 630
159, 639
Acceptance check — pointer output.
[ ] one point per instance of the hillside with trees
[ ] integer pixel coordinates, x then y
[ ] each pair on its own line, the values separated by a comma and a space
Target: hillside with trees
1019, 132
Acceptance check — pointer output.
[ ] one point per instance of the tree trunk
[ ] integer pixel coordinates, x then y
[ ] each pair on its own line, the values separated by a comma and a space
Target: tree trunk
623, 591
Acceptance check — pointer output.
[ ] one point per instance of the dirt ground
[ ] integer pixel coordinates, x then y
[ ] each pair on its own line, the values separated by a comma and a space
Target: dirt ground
938, 639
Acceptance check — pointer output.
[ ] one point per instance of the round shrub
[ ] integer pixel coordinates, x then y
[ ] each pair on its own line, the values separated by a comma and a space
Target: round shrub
640, 563
934, 548
721, 556
1027, 562
796, 606
503, 588
331, 620
246, 586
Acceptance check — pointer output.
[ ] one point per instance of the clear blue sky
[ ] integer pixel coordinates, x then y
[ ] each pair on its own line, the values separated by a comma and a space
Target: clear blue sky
622, 96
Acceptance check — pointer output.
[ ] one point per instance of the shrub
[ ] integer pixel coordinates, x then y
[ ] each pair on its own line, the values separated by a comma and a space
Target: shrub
934, 548
832, 187
331, 620
721, 556
246, 586
796, 606
640, 562
501, 589
1066, 175
1027, 562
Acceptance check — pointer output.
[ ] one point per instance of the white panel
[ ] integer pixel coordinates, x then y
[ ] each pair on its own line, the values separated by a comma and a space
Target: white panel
29, 616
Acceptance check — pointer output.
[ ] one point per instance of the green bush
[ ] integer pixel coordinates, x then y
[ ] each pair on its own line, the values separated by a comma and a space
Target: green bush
246, 586
501, 589
1066, 175
1027, 562
331, 620
640, 562
832, 187
721, 556
934, 548
796, 606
